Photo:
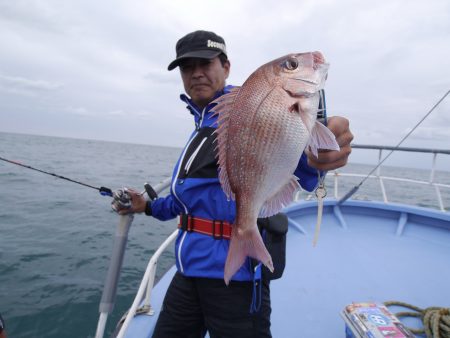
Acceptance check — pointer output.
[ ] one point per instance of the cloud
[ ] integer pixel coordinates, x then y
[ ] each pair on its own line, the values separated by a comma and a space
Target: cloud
141, 115
115, 114
107, 61
33, 15
162, 77
81, 111
25, 86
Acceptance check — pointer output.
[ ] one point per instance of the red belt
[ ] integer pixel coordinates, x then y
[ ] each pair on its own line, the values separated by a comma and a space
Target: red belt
217, 229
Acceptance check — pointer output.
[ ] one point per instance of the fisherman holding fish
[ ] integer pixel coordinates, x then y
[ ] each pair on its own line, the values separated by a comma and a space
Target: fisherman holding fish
252, 148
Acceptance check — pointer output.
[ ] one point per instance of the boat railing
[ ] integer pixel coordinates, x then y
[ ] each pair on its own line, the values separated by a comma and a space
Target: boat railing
141, 303
337, 175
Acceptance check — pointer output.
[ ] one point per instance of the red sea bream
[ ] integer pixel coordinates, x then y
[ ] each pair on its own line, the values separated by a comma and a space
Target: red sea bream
263, 128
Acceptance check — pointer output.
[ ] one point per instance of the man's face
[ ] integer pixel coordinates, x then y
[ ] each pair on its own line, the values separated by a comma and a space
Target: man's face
202, 78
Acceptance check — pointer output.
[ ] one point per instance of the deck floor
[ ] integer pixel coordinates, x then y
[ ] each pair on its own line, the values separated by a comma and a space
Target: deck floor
365, 262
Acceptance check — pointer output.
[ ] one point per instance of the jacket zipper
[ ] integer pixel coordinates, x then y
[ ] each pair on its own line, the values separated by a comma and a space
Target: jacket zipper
174, 183
178, 172
202, 115
179, 251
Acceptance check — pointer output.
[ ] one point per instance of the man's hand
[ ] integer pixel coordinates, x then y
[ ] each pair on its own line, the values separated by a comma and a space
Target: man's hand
138, 203
332, 159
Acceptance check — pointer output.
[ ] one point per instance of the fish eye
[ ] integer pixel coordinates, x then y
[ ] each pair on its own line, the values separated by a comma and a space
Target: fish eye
291, 63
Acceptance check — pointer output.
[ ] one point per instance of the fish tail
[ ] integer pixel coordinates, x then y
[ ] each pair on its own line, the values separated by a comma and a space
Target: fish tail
243, 244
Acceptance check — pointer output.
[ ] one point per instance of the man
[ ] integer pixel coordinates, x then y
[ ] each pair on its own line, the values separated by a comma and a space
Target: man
198, 299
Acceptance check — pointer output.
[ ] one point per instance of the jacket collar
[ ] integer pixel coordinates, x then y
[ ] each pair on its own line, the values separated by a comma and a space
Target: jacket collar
196, 111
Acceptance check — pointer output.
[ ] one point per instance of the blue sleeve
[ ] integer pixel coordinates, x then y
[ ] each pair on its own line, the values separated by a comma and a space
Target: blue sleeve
165, 208
307, 176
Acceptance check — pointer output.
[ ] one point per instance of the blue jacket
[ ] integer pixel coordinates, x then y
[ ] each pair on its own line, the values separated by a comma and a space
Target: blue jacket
196, 190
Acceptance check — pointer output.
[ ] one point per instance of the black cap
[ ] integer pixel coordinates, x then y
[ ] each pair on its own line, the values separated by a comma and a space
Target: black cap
198, 44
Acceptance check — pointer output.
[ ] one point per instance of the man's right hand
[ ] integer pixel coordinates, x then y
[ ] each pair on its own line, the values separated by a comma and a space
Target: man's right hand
138, 203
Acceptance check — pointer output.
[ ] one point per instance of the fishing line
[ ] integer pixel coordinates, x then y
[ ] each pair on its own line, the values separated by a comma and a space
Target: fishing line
356, 187
103, 191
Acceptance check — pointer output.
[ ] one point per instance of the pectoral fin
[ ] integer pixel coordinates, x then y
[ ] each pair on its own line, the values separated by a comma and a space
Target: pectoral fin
322, 138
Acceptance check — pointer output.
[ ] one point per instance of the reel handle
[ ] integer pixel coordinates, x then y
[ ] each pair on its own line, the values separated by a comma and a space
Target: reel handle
150, 191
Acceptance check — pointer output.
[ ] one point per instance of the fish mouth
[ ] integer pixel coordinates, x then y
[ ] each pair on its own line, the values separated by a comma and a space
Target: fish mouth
306, 88
310, 82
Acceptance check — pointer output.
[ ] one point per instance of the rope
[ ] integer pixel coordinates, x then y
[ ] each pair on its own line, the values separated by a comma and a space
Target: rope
436, 320
143, 310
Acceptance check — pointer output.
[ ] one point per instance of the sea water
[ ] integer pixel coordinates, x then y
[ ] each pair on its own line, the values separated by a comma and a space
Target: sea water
56, 237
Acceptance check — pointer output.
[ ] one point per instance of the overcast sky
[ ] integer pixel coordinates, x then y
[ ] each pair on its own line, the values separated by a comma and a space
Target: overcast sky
98, 69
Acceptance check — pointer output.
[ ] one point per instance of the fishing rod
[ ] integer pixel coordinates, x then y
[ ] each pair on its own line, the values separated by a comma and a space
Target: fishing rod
356, 187
103, 190
121, 196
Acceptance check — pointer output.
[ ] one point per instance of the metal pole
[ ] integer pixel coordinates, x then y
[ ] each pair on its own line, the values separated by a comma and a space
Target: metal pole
112, 277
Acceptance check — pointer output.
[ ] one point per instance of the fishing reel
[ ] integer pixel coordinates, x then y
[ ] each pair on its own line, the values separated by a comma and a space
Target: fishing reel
122, 197
121, 200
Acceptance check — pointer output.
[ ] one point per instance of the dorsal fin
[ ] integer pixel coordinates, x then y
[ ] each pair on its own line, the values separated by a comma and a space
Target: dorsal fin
225, 100
222, 109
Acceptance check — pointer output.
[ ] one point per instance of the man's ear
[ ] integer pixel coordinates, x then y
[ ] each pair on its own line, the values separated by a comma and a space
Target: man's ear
227, 67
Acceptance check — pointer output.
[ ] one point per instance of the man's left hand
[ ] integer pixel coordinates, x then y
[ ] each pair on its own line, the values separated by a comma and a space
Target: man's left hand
333, 159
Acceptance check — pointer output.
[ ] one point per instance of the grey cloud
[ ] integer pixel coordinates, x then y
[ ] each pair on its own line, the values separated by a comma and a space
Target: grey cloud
38, 16
21, 85
162, 76
103, 61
